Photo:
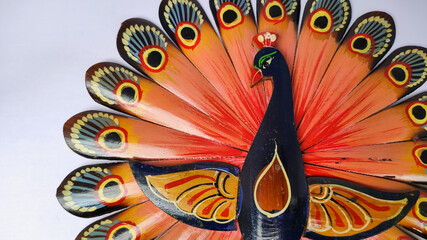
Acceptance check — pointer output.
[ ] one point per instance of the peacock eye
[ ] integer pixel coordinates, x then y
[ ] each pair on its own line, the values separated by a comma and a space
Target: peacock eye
112, 139
187, 34
399, 73
274, 11
321, 21
362, 44
417, 113
128, 93
123, 230
229, 15
267, 63
111, 190
153, 58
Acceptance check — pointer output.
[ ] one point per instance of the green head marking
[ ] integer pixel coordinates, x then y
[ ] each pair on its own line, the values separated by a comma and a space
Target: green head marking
263, 58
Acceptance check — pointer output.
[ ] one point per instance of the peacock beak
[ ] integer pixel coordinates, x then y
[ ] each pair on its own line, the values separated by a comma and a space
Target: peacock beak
256, 76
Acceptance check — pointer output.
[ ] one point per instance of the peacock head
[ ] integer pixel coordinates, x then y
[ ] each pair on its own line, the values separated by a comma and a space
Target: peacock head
268, 61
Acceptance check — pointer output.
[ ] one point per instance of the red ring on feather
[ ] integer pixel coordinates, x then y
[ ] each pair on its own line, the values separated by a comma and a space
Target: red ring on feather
119, 200
408, 108
310, 18
218, 15
125, 224
350, 44
148, 67
275, 21
124, 142
138, 92
406, 82
181, 42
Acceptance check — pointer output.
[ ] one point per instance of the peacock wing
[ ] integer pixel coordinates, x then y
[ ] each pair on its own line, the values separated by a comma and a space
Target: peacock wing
323, 26
341, 209
205, 195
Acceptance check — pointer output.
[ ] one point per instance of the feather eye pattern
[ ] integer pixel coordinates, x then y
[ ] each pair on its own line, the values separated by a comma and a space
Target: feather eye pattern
372, 36
146, 45
185, 20
116, 85
409, 68
98, 134
328, 16
304, 136
98, 189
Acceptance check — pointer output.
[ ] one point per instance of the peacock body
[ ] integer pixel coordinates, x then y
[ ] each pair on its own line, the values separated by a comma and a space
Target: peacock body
298, 135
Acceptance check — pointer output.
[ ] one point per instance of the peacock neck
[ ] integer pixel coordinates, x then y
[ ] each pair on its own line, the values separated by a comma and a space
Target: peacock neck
272, 177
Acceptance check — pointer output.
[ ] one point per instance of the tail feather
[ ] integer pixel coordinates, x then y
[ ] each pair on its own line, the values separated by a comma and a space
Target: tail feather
94, 190
182, 231
104, 135
144, 221
403, 161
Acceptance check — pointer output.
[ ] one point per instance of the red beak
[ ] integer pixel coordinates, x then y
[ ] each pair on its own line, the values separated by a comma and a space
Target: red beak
256, 77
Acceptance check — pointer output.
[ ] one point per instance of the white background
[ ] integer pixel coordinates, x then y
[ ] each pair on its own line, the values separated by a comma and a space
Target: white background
45, 49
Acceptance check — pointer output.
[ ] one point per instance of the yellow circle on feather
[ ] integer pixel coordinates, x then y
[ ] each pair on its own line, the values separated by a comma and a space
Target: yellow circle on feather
188, 35
230, 15
111, 190
275, 11
417, 113
399, 74
123, 231
112, 139
154, 59
361, 43
321, 21
128, 93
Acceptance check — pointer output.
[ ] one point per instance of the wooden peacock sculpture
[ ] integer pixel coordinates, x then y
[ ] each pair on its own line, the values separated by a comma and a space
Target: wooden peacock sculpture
272, 130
